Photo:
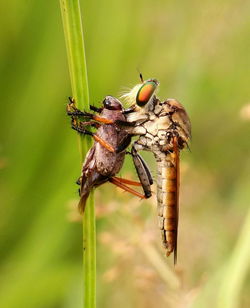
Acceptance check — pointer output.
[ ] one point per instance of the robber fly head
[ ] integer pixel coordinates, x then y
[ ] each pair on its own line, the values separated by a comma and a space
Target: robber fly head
141, 94
112, 103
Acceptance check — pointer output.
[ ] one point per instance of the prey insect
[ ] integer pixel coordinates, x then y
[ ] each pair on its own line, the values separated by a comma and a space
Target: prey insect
164, 129
105, 158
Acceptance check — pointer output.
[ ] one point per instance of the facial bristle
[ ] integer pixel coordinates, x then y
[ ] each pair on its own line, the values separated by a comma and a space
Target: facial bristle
130, 97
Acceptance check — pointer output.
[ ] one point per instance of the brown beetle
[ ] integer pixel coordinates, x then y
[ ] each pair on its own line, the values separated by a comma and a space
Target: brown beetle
105, 158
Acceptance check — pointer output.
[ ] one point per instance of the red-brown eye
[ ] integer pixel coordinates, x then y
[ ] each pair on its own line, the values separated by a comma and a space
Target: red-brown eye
145, 92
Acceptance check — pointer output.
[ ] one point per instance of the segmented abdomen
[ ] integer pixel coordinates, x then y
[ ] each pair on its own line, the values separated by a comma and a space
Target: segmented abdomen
167, 197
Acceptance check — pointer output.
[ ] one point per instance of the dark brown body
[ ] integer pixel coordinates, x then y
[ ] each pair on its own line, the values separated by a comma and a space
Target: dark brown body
101, 164
105, 159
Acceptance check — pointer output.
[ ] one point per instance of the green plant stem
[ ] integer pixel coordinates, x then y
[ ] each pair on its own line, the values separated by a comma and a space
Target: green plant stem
73, 32
236, 270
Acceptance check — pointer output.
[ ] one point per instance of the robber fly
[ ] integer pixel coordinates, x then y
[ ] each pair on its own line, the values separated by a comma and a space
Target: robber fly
105, 158
163, 128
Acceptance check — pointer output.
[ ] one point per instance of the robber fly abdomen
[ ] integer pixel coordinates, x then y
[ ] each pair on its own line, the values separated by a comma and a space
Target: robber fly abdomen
167, 199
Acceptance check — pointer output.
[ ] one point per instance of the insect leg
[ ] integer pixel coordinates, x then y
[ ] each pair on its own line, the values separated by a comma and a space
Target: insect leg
79, 180
129, 182
74, 112
144, 165
126, 188
142, 172
89, 123
81, 130
95, 109
125, 124
129, 110
124, 144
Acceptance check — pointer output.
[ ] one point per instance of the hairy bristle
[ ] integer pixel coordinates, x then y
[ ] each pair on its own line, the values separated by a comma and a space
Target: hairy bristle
130, 97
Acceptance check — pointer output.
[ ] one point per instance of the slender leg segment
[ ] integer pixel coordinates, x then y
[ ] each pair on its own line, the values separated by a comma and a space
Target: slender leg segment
95, 109
142, 172
145, 167
89, 123
118, 183
129, 182
79, 127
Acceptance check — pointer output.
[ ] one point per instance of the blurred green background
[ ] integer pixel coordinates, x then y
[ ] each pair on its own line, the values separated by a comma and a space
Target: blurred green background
199, 51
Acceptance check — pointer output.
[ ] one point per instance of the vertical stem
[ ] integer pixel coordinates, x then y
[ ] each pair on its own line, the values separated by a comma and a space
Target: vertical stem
73, 32
236, 270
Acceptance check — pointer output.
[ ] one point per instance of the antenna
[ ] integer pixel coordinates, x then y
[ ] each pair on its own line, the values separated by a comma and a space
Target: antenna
140, 74
141, 78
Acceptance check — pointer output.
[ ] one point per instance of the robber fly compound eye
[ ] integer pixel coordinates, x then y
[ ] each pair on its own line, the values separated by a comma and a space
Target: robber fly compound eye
146, 91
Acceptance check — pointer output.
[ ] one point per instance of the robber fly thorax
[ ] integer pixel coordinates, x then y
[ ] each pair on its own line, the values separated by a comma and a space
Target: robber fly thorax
164, 129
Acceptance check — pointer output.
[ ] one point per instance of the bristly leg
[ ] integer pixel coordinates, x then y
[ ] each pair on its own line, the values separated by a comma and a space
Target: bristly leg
95, 109
129, 182
118, 183
86, 123
79, 127
74, 112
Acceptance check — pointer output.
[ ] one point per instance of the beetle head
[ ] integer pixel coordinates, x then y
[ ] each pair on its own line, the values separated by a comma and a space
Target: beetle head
112, 103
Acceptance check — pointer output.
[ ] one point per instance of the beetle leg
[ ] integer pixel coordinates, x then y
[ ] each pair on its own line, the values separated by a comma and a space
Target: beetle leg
81, 130
79, 180
100, 119
88, 123
74, 112
95, 109
104, 143
126, 188
143, 172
